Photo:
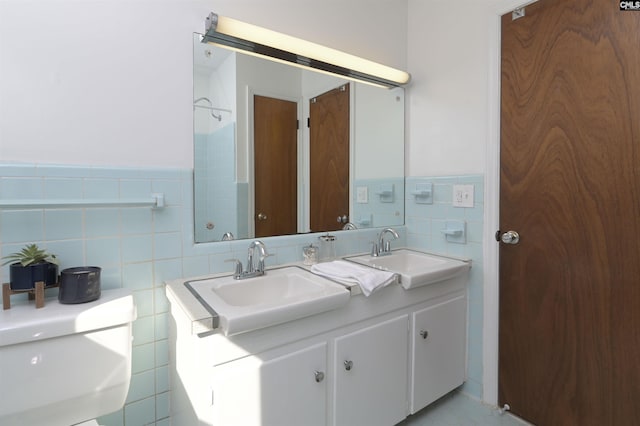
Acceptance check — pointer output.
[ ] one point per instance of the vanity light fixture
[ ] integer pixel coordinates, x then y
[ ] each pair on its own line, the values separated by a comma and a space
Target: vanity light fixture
280, 47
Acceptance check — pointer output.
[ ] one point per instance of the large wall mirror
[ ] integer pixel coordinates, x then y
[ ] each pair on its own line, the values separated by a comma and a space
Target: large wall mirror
281, 150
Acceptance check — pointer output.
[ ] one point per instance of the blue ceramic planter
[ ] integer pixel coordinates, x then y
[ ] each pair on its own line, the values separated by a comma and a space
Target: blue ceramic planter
26, 277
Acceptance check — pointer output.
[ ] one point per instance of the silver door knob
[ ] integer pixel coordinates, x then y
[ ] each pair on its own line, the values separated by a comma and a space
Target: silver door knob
348, 365
319, 375
510, 237
343, 219
262, 216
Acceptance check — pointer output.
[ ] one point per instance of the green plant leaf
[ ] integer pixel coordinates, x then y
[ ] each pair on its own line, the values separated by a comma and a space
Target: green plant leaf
30, 255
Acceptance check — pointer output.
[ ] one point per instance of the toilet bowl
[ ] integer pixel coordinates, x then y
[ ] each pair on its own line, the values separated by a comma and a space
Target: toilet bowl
61, 365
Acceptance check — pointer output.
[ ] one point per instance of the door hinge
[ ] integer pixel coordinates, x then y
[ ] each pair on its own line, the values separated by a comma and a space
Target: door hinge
308, 121
517, 13
497, 235
297, 124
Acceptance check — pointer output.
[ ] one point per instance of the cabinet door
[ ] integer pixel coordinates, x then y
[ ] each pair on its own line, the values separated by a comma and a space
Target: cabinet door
439, 351
371, 388
285, 390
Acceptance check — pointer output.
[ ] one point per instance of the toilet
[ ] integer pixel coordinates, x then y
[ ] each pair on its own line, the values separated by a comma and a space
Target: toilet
63, 364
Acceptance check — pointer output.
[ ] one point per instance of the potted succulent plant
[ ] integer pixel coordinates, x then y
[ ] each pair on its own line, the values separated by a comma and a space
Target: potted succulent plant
31, 265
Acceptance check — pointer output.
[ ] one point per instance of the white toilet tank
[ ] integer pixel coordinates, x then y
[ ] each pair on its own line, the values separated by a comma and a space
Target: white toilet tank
65, 364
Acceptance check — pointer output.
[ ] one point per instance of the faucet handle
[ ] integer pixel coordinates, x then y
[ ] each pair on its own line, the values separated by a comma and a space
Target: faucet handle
238, 267
374, 248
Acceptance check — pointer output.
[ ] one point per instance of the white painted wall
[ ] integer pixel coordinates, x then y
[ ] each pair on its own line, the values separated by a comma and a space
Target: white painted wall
109, 82
448, 59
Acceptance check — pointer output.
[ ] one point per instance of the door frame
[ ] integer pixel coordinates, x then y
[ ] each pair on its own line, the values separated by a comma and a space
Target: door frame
251, 92
491, 297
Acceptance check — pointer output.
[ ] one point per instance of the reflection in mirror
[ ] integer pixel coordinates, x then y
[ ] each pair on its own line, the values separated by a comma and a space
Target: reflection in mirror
280, 150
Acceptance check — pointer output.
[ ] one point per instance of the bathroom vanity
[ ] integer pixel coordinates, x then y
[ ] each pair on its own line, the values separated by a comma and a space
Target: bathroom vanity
372, 361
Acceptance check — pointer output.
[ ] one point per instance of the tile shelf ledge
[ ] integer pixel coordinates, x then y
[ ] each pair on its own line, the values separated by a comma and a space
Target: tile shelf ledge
155, 201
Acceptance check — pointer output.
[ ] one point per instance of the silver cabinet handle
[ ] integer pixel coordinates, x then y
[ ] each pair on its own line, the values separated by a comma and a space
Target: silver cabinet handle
348, 365
424, 334
319, 375
510, 237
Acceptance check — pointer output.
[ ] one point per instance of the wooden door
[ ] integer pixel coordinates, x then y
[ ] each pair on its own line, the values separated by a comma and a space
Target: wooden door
275, 148
570, 186
329, 163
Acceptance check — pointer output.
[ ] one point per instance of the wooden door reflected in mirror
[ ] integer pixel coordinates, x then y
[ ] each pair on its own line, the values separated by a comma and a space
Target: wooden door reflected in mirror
275, 166
329, 164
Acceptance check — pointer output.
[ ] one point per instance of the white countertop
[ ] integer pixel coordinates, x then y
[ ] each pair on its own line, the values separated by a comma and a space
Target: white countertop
202, 320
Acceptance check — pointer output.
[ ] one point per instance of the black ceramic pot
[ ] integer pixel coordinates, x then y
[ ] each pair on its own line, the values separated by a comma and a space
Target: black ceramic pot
79, 285
26, 277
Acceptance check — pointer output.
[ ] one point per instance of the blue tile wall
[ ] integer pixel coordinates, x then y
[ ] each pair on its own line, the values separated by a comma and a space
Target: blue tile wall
424, 223
137, 248
141, 248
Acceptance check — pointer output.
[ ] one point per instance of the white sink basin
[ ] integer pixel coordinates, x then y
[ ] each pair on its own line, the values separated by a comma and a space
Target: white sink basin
281, 295
415, 268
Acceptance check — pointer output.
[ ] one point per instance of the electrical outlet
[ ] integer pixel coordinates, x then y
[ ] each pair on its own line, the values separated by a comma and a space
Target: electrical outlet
362, 195
463, 195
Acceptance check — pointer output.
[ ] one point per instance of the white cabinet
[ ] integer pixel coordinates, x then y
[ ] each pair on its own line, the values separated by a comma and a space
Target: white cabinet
370, 367
403, 350
439, 351
284, 390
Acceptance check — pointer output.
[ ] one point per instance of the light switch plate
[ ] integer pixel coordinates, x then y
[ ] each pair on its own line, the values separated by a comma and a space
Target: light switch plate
463, 195
362, 194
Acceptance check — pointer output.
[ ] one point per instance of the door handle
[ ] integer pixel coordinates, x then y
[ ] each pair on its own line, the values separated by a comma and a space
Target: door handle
343, 219
510, 237
262, 216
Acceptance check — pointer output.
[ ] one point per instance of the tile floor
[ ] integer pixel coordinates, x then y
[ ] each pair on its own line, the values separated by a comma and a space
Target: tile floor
458, 409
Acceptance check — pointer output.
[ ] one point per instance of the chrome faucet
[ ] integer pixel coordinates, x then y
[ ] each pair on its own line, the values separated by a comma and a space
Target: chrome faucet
254, 269
382, 247
259, 268
347, 226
